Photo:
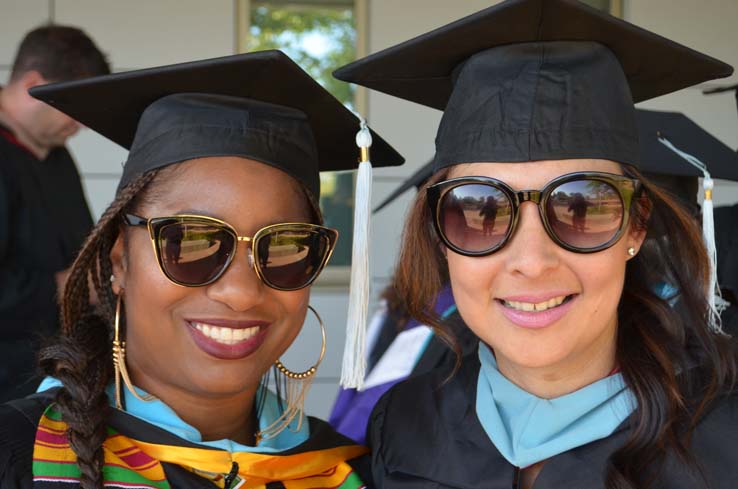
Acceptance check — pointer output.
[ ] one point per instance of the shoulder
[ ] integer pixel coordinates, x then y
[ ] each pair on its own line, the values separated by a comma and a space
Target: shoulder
18, 423
428, 396
717, 430
430, 417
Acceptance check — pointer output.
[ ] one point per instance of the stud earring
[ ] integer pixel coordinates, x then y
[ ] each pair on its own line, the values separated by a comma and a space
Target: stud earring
631, 251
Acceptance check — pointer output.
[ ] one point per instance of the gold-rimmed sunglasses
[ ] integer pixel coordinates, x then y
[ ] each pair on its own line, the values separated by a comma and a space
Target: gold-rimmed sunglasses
194, 251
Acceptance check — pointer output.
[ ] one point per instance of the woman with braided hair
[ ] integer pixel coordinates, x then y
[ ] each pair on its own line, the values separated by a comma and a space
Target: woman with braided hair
202, 267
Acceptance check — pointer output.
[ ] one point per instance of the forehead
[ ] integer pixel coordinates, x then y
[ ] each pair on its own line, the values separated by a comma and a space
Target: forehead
246, 193
534, 174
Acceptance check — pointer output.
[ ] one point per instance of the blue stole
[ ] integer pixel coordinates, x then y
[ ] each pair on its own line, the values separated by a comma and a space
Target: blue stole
527, 429
159, 414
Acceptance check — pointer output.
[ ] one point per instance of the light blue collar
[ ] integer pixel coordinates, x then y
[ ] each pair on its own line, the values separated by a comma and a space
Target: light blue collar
159, 414
527, 429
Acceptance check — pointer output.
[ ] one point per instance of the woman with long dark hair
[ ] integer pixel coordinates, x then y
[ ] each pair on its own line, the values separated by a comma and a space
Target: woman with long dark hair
586, 377
202, 267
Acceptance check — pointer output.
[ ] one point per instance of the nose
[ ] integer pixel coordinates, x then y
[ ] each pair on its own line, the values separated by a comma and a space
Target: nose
531, 253
239, 287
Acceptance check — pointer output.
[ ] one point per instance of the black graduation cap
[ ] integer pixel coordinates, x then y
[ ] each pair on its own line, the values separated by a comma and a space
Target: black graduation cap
688, 136
415, 180
529, 80
258, 105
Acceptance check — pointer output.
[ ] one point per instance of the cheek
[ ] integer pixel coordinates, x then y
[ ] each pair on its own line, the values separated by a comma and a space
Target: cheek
472, 282
149, 296
602, 279
293, 309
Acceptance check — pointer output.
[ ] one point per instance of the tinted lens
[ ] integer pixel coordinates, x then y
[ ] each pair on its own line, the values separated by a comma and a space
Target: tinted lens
475, 217
193, 253
290, 259
585, 213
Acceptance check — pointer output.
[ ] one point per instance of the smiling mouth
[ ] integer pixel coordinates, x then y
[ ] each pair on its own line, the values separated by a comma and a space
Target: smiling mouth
226, 336
537, 306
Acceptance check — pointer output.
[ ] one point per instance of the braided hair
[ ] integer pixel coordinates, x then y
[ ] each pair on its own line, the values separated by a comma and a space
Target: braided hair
82, 357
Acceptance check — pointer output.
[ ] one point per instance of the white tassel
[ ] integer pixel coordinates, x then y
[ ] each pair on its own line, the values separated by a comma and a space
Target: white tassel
354, 356
715, 302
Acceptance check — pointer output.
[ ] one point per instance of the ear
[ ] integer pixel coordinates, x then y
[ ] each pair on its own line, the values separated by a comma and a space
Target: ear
31, 79
637, 233
635, 240
119, 261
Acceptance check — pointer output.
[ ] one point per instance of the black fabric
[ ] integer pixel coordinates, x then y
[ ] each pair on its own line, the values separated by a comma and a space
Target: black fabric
538, 101
425, 433
416, 180
420, 69
726, 241
531, 80
18, 423
439, 356
44, 219
321, 138
685, 134
212, 125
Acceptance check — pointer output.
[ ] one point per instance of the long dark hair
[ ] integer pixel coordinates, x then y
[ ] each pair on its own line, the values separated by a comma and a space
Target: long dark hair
81, 358
674, 365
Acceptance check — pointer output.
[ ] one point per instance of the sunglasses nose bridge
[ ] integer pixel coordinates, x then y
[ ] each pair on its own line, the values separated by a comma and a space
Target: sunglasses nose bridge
247, 239
529, 196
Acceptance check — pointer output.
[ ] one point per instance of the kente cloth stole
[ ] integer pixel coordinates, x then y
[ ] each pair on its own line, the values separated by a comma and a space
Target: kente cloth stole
133, 464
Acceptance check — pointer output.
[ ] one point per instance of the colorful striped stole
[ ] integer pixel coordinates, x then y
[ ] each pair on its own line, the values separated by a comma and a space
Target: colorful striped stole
134, 464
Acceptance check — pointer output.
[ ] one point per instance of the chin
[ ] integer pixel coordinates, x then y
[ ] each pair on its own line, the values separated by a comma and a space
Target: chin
532, 354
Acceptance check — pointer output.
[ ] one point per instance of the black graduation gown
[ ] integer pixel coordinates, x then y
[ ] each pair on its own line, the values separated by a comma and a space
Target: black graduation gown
44, 219
426, 434
19, 422
726, 240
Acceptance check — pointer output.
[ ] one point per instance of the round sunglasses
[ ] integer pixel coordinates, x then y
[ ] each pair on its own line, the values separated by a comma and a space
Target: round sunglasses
583, 212
194, 251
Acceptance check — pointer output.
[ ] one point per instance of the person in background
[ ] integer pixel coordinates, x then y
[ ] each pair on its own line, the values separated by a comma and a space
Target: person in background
44, 216
399, 346
585, 377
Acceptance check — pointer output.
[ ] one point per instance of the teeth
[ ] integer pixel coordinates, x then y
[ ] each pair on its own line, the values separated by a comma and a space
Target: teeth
540, 306
227, 336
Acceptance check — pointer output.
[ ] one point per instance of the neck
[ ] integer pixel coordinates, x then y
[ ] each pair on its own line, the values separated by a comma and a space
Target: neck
9, 117
566, 376
215, 417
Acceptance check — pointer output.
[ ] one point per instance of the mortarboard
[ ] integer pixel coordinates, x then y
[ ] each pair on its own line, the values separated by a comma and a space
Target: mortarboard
260, 106
529, 80
415, 180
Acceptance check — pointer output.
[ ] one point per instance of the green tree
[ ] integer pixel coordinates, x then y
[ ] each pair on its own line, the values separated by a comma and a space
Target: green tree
287, 27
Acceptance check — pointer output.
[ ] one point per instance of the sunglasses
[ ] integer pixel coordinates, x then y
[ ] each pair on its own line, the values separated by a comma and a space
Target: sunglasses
196, 250
583, 212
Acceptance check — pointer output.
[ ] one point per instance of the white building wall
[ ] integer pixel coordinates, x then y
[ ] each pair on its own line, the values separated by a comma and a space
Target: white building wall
144, 33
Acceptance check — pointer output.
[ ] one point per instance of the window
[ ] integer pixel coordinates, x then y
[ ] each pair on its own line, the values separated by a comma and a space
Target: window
614, 7
320, 36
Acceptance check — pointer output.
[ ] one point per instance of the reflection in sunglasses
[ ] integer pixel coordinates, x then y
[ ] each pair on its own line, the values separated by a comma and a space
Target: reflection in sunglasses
581, 212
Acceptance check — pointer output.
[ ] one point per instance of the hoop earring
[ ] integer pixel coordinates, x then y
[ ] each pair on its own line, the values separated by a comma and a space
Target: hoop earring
297, 386
119, 363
